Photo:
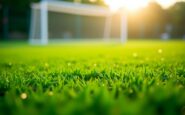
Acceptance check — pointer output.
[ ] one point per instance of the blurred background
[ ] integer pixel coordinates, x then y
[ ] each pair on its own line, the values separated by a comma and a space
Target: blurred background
152, 21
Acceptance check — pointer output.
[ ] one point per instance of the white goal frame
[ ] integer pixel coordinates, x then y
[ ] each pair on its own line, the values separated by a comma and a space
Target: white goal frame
72, 8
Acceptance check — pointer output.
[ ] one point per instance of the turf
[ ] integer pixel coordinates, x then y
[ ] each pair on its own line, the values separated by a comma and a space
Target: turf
140, 77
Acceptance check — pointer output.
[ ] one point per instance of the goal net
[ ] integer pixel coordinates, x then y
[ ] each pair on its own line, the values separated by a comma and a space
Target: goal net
56, 20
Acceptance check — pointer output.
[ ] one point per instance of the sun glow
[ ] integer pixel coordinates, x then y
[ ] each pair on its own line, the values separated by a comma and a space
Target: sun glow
166, 3
130, 5
134, 5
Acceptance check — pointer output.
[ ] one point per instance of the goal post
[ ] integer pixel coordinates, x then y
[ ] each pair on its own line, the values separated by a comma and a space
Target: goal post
39, 29
124, 30
44, 22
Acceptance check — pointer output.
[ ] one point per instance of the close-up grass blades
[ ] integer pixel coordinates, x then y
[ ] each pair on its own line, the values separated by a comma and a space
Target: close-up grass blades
137, 78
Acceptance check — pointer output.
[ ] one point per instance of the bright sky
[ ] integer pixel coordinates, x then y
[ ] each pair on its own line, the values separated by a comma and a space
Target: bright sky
166, 3
136, 4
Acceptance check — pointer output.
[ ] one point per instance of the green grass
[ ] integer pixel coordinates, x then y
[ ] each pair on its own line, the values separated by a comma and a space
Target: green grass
140, 77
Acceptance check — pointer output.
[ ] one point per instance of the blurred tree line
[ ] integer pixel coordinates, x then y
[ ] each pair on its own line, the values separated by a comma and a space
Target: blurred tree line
154, 21
15, 18
150, 22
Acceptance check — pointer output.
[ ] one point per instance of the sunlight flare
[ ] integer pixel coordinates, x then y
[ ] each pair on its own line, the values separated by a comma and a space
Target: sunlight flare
130, 5
133, 5
166, 3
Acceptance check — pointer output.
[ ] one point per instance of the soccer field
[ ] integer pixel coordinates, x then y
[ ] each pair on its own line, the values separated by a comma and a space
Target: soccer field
137, 78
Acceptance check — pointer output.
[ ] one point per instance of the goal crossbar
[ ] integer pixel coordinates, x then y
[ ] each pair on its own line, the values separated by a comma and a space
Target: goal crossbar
74, 8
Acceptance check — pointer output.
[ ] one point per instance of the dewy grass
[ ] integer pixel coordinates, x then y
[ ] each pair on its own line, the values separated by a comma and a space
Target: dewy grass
143, 78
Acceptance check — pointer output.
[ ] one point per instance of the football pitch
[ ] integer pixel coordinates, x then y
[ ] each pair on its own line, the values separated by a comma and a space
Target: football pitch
81, 78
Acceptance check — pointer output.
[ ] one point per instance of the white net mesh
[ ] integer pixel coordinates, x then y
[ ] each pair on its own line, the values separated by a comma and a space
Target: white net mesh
63, 25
